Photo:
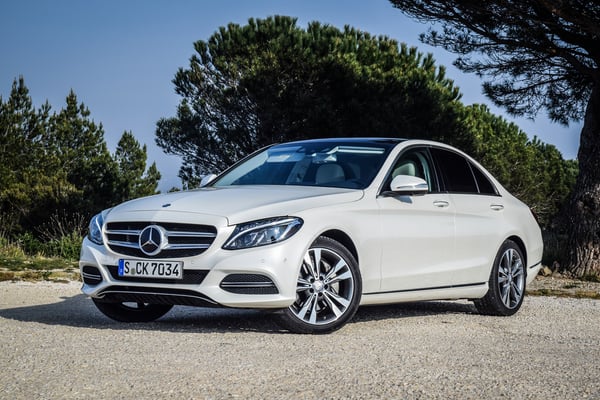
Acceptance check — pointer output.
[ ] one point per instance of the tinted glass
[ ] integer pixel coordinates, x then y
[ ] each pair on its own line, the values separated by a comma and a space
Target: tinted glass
484, 184
311, 163
455, 171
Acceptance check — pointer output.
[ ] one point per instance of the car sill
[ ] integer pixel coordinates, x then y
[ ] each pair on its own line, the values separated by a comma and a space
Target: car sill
467, 285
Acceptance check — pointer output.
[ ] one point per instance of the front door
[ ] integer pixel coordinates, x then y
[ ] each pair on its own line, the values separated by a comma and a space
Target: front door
418, 242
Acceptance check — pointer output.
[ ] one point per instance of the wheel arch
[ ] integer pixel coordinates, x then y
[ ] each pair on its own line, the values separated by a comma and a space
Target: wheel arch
344, 239
519, 242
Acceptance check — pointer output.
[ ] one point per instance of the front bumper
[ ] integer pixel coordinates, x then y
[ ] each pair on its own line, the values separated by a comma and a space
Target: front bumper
261, 277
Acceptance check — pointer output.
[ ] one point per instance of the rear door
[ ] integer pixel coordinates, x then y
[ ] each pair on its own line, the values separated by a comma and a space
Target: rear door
479, 215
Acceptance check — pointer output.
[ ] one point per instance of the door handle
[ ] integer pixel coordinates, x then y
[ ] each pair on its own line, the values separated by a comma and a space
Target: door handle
497, 207
441, 203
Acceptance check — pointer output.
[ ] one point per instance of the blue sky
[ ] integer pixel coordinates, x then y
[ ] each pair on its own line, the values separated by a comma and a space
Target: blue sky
119, 57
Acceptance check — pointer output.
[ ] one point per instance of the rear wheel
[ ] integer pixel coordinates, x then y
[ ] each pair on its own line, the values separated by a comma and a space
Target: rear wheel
132, 312
328, 289
506, 284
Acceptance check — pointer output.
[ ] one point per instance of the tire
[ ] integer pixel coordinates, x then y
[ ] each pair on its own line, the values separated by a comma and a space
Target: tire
328, 290
507, 283
132, 312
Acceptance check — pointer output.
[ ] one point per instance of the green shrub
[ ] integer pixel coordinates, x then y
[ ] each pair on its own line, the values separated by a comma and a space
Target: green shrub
67, 246
29, 244
10, 249
26, 244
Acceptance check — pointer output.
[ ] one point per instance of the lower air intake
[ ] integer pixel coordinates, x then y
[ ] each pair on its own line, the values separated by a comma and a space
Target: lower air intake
248, 284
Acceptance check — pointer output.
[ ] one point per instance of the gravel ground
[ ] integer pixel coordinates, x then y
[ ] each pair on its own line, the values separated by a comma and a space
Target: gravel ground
55, 345
561, 286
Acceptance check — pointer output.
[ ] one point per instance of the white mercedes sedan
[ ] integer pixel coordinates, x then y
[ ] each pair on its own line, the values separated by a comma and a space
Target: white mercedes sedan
313, 230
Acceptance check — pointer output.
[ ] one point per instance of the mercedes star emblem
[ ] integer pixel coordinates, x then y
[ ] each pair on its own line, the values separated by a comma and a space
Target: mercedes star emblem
152, 240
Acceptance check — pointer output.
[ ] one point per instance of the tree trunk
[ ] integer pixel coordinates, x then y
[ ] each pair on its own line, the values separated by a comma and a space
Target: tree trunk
583, 212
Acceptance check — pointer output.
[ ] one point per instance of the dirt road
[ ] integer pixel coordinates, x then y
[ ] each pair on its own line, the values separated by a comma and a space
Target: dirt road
55, 345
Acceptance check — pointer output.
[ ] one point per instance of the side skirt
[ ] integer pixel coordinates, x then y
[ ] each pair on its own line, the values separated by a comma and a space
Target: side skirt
470, 291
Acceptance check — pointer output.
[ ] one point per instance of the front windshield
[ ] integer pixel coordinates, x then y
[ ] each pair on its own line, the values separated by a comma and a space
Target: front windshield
318, 163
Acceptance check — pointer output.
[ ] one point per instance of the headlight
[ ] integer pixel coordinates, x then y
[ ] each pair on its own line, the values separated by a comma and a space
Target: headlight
95, 229
263, 232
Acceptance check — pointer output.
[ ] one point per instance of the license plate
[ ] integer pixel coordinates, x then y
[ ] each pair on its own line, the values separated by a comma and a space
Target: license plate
151, 269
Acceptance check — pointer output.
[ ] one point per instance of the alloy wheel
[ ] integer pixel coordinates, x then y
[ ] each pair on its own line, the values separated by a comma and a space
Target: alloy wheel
511, 278
325, 287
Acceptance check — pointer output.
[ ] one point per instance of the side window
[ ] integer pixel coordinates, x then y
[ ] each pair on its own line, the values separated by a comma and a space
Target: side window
455, 171
484, 184
415, 162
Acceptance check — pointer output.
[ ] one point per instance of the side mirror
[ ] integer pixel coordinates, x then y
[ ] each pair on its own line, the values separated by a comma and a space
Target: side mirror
206, 179
408, 185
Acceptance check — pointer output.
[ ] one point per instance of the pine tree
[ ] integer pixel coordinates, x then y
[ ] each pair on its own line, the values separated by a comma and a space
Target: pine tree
134, 180
57, 168
78, 144
272, 81
25, 186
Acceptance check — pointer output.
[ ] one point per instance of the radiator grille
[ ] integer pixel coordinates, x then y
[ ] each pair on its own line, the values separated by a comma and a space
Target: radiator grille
177, 240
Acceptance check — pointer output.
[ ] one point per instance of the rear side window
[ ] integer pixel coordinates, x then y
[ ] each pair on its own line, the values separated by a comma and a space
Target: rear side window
455, 171
461, 176
484, 184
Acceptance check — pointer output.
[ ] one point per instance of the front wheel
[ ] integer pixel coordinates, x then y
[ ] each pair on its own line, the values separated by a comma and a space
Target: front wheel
506, 284
132, 312
328, 289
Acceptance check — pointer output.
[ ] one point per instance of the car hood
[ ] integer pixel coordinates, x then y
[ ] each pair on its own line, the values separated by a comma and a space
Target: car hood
235, 203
